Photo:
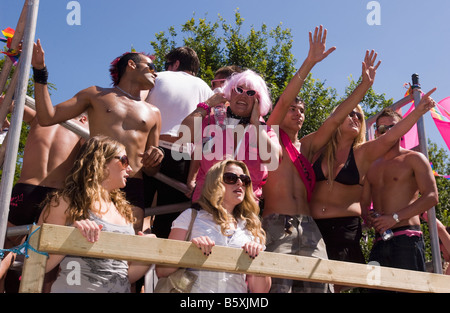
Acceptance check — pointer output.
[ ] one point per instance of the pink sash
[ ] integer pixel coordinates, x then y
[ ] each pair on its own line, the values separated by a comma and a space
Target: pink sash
302, 164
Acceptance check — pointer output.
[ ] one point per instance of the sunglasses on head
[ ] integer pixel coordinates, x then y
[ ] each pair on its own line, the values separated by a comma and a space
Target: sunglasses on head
231, 179
384, 128
241, 90
357, 114
168, 64
216, 82
124, 160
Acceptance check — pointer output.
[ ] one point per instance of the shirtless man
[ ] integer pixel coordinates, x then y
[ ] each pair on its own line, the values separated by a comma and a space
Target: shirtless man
117, 112
48, 156
286, 216
393, 183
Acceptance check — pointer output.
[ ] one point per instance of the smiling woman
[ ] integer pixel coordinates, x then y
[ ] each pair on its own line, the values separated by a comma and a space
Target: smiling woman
245, 136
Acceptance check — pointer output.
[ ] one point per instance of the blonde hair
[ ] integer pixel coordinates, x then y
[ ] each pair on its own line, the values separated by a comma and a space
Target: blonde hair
82, 189
211, 200
331, 147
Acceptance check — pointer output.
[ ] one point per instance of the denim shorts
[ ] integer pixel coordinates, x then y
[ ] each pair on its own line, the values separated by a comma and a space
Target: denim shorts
296, 235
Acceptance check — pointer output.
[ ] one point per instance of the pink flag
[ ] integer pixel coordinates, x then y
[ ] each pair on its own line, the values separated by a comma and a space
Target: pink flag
411, 138
441, 118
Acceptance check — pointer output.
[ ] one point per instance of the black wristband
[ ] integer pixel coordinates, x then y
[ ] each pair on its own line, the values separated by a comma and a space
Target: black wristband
162, 150
40, 76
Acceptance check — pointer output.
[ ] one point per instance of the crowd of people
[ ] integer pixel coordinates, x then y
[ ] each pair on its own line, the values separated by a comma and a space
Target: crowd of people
253, 183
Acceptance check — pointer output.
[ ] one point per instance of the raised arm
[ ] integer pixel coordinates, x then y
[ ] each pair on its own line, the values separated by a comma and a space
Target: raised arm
317, 52
376, 148
48, 114
320, 138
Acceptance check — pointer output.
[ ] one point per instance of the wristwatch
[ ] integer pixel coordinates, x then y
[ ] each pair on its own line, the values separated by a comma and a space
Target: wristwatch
395, 216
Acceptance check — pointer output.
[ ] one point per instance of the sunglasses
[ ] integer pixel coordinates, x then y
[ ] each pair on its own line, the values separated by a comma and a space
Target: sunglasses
167, 64
231, 179
358, 115
124, 160
249, 92
152, 67
384, 128
217, 82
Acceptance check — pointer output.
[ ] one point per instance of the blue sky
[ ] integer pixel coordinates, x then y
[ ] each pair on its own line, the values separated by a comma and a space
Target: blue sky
412, 38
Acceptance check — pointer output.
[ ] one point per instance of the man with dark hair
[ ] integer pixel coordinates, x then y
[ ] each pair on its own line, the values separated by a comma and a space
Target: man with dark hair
393, 184
182, 59
176, 94
117, 112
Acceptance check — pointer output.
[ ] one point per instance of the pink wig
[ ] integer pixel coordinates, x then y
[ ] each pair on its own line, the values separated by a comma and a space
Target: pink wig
253, 81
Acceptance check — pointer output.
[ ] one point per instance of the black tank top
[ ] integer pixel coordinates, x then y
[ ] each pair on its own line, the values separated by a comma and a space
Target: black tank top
348, 175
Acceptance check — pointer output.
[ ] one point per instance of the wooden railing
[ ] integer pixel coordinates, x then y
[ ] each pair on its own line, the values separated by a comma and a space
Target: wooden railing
68, 240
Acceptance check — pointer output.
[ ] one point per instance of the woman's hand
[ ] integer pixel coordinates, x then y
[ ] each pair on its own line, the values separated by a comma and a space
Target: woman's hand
89, 229
204, 243
252, 248
369, 69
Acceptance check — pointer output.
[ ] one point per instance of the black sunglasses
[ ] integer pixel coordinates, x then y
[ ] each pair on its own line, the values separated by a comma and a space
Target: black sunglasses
358, 115
167, 64
124, 160
231, 179
151, 66
384, 128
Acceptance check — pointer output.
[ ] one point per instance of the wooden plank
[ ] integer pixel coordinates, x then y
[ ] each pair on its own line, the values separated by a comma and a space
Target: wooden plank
65, 240
34, 267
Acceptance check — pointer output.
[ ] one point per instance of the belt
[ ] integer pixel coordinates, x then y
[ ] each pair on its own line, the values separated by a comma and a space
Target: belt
410, 231
183, 148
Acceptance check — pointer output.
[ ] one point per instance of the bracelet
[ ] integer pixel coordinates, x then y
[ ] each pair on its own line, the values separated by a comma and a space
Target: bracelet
162, 150
204, 106
298, 74
40, 76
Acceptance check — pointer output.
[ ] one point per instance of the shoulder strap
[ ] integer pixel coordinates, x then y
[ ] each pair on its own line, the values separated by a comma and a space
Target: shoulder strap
301, 163
193, 216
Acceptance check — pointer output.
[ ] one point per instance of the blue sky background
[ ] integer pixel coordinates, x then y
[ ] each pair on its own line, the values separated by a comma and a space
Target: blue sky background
413, 38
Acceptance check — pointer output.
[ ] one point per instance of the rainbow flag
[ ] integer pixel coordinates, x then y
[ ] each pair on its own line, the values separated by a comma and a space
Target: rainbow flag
437, 174
11, 53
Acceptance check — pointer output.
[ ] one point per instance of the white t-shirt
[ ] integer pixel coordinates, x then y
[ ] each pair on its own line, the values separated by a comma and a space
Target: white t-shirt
204, 225
176, 94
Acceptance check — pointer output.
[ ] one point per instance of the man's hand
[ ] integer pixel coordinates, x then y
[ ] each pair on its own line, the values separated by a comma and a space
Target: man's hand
38, 59
152, 157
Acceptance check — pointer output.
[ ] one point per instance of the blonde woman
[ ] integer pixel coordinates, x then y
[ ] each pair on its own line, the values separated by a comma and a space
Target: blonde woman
91, 201
340, 170
228, 217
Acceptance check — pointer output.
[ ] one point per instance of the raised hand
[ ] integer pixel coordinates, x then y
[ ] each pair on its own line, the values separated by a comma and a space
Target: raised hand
38, 60
317, 45
368, 69
426, 103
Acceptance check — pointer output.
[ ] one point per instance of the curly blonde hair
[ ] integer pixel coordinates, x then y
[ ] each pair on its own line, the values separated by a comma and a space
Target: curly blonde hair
82, 189
211, 200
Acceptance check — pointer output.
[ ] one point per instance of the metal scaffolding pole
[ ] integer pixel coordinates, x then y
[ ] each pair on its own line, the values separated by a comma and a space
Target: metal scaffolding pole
17, 116
423, 147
